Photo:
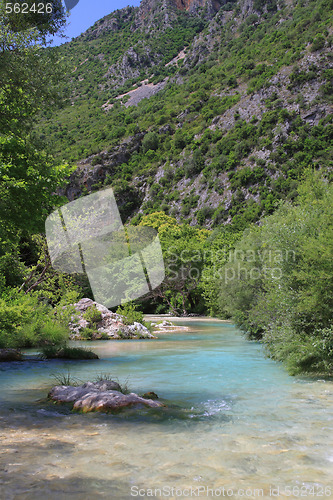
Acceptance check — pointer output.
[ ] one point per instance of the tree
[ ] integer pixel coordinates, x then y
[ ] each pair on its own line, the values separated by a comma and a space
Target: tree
29, 75
183, 253
218, 248
27, 81
150, 141
279, 284
46, 20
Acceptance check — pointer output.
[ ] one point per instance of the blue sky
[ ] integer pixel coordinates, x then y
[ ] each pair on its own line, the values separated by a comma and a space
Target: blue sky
86, 13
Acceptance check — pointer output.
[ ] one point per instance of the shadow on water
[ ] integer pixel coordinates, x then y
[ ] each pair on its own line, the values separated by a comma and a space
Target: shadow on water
56, 488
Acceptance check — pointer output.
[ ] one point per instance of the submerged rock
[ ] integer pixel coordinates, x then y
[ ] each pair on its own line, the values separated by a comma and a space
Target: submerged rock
150, 395
10, 355
100, 396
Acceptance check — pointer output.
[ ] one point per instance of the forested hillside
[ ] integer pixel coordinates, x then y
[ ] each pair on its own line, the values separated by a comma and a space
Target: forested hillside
213, 124
233, 123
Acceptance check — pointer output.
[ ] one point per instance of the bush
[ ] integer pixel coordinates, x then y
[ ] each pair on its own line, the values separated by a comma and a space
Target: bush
150, 141
302, 353
130, 314
96, 161
66, 352
26, 322
318, 43
87, 333
93, 315
44, 331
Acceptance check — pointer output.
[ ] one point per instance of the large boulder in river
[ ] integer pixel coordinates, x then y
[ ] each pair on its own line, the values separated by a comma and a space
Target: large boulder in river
100, 396
105, 325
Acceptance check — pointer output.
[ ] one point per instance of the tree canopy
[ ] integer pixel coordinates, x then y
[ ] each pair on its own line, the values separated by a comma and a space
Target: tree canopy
28, 81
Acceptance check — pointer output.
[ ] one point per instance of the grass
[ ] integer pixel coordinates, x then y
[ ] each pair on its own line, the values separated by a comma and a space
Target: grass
125, 389
68, 379
65, 352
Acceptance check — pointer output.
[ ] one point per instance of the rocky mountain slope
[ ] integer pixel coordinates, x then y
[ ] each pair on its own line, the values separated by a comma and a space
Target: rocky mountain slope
208, 112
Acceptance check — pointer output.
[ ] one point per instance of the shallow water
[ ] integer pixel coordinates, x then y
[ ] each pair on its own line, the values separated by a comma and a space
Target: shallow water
235, 420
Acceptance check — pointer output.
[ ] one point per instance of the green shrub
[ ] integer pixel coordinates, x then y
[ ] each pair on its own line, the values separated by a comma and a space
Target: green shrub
27, 322
318, 43
96, 161
87, 333
44, 331
130, 314
66, 352
92, 315
301, 353
279, 283
150, 141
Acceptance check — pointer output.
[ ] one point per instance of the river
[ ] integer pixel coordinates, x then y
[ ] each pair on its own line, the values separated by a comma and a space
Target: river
236, 424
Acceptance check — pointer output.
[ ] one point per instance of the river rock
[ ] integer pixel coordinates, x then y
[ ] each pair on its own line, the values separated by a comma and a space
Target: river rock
111, 325
10, 355
100, 396
150, 395
167, 326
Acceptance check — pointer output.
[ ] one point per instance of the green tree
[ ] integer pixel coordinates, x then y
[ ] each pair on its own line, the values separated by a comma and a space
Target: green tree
28, 175
217, 251
46, 20
279, 283
183, 253
150, 141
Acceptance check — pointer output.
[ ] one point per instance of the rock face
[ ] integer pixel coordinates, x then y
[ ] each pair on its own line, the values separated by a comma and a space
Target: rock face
110, 326
147, 6
10, 355
100, 396
110, 23
93, 170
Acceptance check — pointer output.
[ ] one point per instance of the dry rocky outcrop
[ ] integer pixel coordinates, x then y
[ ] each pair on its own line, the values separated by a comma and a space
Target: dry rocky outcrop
109, 325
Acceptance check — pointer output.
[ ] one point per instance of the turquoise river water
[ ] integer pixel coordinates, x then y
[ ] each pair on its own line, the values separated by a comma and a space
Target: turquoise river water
236, 425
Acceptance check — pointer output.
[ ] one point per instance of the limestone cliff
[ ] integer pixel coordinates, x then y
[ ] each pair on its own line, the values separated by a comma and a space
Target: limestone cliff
166, 9
191, 6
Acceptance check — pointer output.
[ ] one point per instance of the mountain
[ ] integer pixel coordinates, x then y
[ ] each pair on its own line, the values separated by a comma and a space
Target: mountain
206, 110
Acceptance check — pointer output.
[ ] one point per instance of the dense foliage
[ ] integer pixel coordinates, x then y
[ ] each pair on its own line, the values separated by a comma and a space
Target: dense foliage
277, 283
28, 174
26, 322
29, 177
